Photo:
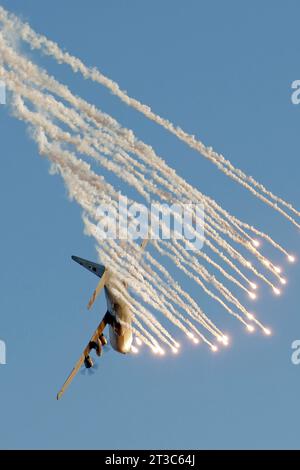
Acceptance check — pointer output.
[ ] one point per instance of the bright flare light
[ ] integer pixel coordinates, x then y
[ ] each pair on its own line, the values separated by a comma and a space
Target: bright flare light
190, 335
276, 291
250, 328
223, 339
134, 350
214, 348
291, 258
250, 316
196, 340
267, 331
283, 281
256, 243
252, 295
138, 341
278, 269
175, 350
253, 285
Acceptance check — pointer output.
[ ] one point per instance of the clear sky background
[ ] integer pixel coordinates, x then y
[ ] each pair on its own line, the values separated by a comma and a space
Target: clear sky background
222, 71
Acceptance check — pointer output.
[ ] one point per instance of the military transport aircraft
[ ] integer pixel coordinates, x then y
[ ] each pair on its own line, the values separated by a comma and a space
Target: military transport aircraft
117, 317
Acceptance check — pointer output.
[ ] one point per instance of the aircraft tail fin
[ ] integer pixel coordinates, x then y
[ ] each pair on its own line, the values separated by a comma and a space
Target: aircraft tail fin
97, 269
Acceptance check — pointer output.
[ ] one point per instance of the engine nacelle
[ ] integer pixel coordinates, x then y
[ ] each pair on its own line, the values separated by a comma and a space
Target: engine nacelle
103, 340
88, 362
97, 345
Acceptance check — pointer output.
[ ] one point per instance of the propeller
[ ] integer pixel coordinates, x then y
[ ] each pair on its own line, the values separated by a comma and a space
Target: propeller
90, 371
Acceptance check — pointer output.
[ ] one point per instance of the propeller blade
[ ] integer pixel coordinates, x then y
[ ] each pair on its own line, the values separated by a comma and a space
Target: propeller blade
90, 371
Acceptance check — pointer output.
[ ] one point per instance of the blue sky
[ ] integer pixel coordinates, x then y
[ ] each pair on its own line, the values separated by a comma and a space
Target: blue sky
222, 71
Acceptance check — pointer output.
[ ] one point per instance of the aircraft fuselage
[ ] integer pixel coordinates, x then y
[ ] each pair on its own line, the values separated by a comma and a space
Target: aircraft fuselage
120, 333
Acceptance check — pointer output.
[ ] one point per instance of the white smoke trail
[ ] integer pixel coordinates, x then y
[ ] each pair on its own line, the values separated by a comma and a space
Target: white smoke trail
65, 126
158, 163
50, 48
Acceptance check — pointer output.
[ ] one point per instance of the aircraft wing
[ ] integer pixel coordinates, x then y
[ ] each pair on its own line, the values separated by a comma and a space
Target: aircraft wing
97, 290
85, 353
